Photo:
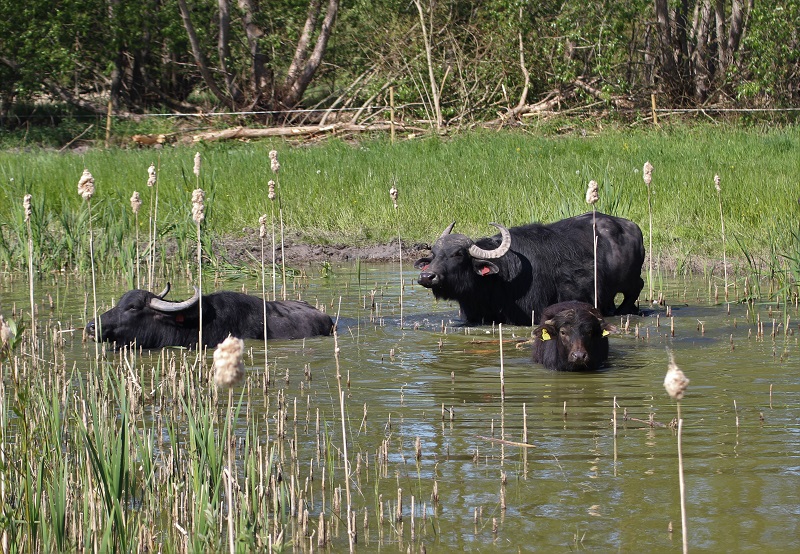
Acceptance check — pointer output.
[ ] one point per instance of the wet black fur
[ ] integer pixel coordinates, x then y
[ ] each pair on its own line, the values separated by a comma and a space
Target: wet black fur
576, 341
545, 265
224, 313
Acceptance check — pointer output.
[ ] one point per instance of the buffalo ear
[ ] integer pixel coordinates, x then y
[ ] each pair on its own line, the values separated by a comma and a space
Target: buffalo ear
484, 268
545, 331
422, 263
608, 329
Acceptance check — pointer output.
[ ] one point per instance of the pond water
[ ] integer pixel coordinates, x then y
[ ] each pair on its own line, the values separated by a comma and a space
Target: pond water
426, 396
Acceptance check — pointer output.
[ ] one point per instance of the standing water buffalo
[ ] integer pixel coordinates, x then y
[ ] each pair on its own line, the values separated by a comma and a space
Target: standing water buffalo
572, 337
513, 276
152, 322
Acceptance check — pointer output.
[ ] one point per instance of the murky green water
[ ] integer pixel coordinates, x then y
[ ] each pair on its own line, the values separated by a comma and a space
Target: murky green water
579, 487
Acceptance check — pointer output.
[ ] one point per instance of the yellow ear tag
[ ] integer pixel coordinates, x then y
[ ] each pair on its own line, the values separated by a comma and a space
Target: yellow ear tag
605, 333
545, 335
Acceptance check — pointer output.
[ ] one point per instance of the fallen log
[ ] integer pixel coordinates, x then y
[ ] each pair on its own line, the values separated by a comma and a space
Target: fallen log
299, 131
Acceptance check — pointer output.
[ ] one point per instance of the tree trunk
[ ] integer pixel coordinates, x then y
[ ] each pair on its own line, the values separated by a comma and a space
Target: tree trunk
261, 79
305, 65
224, 50
437, 109
199, 59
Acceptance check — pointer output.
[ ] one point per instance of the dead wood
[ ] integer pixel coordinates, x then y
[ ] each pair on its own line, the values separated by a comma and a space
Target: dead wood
299, 131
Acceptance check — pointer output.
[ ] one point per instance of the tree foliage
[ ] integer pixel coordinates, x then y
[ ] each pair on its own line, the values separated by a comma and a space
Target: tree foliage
458, 60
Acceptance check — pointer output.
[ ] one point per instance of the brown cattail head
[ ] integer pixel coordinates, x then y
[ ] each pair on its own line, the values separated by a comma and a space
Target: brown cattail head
393, 196
273, 161
647, 173
26, 203
228, 362
591, 193
198, 205
151, 175
86, 185
197, 164
271, 185
136, 202
675, 382
6, 333
716, 183
262, 226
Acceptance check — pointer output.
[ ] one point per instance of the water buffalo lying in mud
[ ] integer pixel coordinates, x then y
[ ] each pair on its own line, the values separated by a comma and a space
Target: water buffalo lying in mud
572, 337
513, 276
152, 322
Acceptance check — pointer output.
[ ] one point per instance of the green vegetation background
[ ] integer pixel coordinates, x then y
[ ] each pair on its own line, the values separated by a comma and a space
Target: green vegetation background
337, 191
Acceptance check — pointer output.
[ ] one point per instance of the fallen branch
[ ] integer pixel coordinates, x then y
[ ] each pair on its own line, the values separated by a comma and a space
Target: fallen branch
303, 130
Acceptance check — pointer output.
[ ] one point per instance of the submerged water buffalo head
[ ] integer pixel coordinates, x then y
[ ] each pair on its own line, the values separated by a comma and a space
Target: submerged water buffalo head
455, 258
145, 318
573, 336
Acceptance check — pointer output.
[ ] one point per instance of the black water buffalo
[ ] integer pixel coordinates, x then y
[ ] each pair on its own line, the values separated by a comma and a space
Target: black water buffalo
513, 276
152, 322
572, 337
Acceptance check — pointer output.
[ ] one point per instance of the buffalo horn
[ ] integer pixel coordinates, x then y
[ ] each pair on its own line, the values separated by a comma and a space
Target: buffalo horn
164, 292
505, 244
165, 306
446, 232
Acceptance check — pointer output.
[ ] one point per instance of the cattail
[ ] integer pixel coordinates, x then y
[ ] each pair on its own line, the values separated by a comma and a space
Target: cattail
229, 363
26, 203
274, 165
136, 202
647, 173
722, 223
262, 229
86, 185
271, 193
6, 334
197, 164
198, 206
592, 197
591, 193
151, 174
393, 196
675, 382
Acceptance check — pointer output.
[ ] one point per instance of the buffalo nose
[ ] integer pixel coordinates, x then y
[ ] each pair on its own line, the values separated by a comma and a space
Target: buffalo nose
428, 279
578, 357
90, 329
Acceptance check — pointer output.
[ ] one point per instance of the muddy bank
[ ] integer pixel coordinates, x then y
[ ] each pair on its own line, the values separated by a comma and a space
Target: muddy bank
247, 250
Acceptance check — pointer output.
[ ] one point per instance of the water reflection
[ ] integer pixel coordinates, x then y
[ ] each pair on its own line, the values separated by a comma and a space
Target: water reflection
579, 487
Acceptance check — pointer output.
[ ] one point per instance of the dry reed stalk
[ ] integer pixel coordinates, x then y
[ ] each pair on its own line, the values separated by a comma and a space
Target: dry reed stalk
675, 384
647, 176
152, 181
350, 528
198, 215
393, 194
722, 223
86, 190
275, 166
136, 203
591, 198
26, 203
262, 232
272, 195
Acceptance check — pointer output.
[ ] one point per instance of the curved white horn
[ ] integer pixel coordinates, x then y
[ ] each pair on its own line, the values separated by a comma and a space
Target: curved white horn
165, 306
164, 292
505, 244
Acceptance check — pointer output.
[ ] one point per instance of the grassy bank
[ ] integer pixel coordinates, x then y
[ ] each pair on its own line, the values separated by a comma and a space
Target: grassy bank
337, 192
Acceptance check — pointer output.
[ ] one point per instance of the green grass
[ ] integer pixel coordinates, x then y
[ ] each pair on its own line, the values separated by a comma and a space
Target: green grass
337, 192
